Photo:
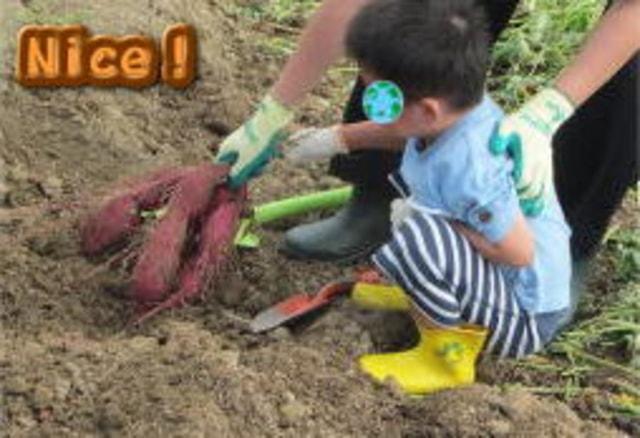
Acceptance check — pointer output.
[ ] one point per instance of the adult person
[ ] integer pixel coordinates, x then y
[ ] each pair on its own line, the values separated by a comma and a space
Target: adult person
595, 147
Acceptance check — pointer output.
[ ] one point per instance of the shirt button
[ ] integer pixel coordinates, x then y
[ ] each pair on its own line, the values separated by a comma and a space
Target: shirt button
484, 216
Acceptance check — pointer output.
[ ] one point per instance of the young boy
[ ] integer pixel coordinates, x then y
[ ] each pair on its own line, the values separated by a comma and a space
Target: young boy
479, 275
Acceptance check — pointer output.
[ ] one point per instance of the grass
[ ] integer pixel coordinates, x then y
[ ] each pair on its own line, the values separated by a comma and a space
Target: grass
541, 39
609, 341
283, 19
625, 243
46, 12
523, 58
600, 353
282, 12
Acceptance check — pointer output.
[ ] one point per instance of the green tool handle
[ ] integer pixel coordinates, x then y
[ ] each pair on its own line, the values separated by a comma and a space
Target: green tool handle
301, 204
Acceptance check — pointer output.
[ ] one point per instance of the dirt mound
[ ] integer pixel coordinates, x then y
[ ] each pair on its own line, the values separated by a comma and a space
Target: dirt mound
187, 381
69, 364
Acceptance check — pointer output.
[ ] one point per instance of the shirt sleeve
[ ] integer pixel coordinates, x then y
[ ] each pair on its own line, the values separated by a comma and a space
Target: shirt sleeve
478, 190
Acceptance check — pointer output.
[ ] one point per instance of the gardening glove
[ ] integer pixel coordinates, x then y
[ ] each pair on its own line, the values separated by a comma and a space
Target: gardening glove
526, 137
249, 148
316, 144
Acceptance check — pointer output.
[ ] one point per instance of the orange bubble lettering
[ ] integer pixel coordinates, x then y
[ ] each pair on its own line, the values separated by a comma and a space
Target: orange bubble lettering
68, 56
179, 54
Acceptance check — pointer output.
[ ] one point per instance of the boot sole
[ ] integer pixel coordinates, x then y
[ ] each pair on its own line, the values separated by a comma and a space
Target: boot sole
347, 259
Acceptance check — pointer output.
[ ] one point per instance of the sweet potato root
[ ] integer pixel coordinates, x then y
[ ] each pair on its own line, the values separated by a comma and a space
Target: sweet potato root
189, 246
120, 216
212, 254
156, 270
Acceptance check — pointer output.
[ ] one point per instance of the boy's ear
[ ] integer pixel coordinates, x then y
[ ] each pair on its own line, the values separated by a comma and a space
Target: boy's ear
431, 110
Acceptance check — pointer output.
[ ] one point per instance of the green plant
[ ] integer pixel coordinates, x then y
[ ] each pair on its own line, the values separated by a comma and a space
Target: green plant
624, 244
43, 12
541, 39
284, 20
608, 342
281, 12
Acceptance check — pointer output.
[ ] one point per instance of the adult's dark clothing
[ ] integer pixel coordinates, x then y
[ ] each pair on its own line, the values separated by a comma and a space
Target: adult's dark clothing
596, 151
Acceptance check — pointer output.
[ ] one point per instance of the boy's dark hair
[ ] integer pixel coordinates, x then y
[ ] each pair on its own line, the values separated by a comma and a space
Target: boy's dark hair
436, 48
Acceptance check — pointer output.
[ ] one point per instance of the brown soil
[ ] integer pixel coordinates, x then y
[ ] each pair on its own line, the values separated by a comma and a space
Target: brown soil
70, 365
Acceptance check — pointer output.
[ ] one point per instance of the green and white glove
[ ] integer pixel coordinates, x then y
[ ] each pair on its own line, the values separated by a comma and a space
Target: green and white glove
250, 147
316, 144
526, 136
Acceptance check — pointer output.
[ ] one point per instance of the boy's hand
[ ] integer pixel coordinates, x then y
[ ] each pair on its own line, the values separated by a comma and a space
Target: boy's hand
526, 137
316, 144
250, 147
400, 210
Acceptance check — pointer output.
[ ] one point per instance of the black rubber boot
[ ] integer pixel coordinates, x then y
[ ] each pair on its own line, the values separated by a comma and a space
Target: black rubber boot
355, 231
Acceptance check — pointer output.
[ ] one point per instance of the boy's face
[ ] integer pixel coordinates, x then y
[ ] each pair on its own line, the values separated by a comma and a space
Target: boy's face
416, 121
422, 118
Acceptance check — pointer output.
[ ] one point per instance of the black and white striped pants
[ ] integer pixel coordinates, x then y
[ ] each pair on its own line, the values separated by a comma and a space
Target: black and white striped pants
452, 284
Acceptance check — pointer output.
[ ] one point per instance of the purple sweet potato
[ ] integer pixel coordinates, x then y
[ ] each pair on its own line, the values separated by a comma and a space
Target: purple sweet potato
213, 253
158, 264
118, 219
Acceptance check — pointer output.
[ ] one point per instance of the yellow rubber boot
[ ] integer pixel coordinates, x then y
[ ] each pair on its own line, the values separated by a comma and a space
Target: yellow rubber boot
444, 358
380, 297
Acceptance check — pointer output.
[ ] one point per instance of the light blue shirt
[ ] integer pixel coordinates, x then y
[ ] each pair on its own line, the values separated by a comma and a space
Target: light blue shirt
457, 176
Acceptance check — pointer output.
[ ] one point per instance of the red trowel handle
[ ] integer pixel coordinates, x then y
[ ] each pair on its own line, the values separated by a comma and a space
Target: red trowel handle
303, 303
335, 289
332, 290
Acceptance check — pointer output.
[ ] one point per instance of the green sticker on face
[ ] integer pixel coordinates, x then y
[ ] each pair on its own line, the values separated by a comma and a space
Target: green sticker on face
383, 102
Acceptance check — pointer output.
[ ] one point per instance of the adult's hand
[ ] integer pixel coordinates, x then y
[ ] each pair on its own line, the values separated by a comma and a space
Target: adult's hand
316, 144
250, 147
614, 40
526, 137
